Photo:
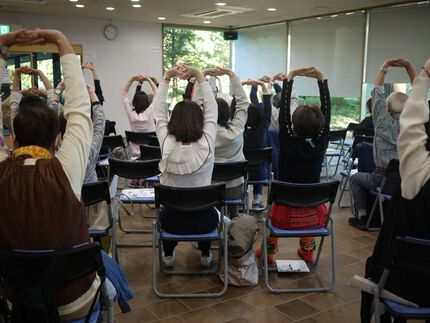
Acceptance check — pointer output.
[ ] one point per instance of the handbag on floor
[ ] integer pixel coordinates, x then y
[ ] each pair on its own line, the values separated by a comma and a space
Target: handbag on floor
242, 266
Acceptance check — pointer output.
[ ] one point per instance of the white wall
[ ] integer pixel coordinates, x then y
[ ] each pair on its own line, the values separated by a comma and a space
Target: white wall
130, 53
260, 51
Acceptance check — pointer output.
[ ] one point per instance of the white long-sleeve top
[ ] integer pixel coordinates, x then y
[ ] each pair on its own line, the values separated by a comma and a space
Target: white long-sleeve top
186, 165
411, 144
73, 154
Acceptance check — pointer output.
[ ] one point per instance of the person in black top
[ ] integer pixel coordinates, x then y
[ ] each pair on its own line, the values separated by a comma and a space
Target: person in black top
303, 136
365, 127
303, 146
255, 134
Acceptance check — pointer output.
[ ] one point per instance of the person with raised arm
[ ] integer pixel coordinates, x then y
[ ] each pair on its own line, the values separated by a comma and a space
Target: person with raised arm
140, 112
385, 113
255, 135
97, 86
410, 205
303, 141
229, 138
40, 191
187, 143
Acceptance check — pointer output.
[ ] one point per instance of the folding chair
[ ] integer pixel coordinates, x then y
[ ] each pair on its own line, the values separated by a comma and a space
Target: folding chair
350, 167
150, 152
134, 170
95, 193
336, 149
257, 158
40, 273
189, 200
138, 138
302, 196
109, 143
224, 172
384, 192
404, 259
153, 141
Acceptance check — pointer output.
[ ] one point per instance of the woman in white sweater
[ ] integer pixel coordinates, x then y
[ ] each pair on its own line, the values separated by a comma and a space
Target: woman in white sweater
187, 144
229, 138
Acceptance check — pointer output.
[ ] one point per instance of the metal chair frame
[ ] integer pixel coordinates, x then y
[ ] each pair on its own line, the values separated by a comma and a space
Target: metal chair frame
295, 195
182, 196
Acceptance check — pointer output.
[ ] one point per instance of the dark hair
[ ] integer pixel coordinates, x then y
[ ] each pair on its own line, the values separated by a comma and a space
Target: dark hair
62, 124
186, 122
140, 102
254, 117
369, 105
223, 112
35, 124
308, 120
155, 81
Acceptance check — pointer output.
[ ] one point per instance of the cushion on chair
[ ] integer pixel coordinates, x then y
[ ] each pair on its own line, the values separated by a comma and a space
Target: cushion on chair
94, 318
234, 202
213, 235
400, 310
297, 233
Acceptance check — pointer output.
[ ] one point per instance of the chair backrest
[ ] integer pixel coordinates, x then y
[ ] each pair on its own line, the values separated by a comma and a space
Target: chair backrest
138, 138
359, 140
153, 141
351, 126
111, 142
150, 152
303, 195
35, 276
405, 258
223, 172
364, 153
93, 193
190, 199
258, 156
134, 169
337, 135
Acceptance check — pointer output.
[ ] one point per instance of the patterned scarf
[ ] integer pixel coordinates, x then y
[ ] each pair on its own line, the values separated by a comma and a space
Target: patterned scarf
35, 152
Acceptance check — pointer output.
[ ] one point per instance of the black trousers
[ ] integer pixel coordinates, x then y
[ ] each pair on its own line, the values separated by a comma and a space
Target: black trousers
188, 223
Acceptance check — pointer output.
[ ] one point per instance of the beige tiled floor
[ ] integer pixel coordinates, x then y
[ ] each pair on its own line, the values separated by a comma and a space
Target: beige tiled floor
250, 304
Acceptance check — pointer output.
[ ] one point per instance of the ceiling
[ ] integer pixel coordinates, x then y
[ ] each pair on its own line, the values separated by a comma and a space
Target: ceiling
253, 12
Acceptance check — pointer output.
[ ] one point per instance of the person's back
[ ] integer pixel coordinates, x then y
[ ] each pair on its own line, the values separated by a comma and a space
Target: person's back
40, 192
302, 154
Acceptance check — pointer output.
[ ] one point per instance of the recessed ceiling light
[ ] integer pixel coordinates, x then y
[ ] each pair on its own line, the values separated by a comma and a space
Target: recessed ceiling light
333, 16
349, 13
135, 0
73, 0
137, 5
79, 6
220, 3
110, 8
271, 9
207, 21
161, 18
318, 18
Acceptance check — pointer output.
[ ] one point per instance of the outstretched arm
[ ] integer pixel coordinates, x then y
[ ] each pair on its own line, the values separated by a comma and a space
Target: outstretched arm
411, 144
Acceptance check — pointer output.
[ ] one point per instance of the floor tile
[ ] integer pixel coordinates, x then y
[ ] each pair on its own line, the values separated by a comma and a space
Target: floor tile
232, 309
296, 309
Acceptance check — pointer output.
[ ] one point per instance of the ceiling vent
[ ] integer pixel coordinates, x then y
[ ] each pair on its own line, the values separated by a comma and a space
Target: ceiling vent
217, 12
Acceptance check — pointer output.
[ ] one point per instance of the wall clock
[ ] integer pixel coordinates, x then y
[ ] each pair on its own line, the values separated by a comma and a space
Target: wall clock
110, 32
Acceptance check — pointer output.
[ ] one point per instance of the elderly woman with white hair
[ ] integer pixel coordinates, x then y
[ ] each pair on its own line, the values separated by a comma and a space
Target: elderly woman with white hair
385, 114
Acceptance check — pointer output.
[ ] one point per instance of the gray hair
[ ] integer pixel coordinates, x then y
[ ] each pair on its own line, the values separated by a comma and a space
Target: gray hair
395, 102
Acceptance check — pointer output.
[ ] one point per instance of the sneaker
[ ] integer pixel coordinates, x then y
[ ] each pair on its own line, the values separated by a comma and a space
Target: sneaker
206, 261
308, 257
257, 206
359, 223
169, 261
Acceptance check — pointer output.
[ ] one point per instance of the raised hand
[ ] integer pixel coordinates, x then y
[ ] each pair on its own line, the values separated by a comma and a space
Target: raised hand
210, 71
277, 77
224, 71
265, 79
